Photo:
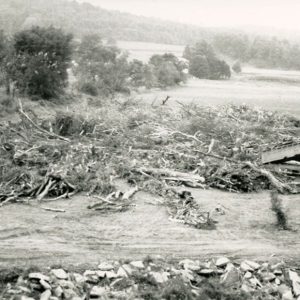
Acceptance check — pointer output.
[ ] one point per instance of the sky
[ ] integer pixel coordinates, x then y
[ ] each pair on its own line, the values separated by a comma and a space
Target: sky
280, 14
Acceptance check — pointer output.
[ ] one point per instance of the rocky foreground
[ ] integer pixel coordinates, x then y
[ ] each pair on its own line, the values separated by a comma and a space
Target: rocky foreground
156, 279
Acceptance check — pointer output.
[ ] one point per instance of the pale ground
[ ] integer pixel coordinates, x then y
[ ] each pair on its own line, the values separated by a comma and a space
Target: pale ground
280, 97
30, 235
279, 91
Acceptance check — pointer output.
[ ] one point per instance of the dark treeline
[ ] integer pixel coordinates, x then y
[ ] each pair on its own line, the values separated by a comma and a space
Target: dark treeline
259, 51
85, 19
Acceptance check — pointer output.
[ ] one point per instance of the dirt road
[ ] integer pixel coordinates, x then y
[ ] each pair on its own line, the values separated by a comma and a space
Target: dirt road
30, 235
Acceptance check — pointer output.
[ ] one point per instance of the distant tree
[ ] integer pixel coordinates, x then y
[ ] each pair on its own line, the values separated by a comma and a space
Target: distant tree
199, 67
137, 73
203, 63
42, 57
168, 69
103, 66
236, 67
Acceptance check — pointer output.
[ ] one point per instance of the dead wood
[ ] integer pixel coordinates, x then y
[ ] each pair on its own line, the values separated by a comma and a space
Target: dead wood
51, 134
172, 175
281, 187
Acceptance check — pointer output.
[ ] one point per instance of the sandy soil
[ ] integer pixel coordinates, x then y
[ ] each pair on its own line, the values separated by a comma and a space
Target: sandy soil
30, 235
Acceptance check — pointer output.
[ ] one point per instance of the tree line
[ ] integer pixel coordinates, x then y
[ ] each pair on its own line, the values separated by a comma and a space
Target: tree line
83, 19
35, 62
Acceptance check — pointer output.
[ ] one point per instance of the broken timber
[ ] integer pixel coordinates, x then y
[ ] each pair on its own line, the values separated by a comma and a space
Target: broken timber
282, 154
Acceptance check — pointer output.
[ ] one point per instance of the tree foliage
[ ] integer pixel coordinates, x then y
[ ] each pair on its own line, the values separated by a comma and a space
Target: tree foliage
236, 67
204, 64
103, 66
39, 66
105, 69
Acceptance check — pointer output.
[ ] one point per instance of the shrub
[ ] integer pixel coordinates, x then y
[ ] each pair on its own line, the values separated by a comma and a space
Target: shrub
89, 88
276, 207
237, 67
42, 56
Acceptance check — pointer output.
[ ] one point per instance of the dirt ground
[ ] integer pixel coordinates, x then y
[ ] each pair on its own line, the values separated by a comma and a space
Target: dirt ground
30, 235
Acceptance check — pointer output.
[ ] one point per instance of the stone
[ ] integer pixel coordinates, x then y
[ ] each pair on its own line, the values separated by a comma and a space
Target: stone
69, 294
206, 272
245, 267
189, 265
246, 288
45, 284
294, 277
248, 275
105, 266
66, 284
267, 276
45, 295
110, 275
101, 274
222, 262
127, 269
60, 273
160, 277
255, 282
252, 264
277, 281
277, 272
231, 276
187, 275
121, 272
58, 291
97, 292
279, 265
137, 264
287, 296
78, 278
283, 288
39, 276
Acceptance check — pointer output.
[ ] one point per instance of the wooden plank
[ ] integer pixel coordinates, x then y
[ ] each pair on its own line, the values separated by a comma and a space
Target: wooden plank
282, 154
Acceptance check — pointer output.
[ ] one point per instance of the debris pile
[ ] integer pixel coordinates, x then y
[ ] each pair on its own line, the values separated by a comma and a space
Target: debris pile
154, 278
154, 148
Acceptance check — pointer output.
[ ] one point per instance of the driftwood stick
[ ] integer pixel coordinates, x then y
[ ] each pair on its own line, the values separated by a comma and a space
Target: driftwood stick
281, 187
38, 127
46, 190
53, 209
218, 157
127, 195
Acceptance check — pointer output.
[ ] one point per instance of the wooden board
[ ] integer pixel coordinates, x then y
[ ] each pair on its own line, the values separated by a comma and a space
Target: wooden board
281, 154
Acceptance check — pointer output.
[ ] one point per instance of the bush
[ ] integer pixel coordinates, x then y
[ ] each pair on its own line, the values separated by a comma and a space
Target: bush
276, 207
237, 67
89, 88
42, 56
203, 62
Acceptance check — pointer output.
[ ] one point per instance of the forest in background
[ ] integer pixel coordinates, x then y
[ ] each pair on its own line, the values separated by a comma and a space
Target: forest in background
84, 19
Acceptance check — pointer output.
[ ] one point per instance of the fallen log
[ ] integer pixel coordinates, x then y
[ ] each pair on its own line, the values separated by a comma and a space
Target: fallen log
280, 186
191, 179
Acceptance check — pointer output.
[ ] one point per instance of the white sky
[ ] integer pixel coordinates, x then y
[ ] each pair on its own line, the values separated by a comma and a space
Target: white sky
282, 14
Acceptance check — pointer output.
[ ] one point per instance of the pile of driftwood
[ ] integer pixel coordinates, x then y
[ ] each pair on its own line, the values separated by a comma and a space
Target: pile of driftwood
197, 148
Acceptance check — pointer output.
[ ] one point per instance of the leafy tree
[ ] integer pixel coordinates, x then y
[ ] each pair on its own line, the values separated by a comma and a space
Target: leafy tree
168, 69
203, 63
199, 67
42, 56
103, 66
237, 68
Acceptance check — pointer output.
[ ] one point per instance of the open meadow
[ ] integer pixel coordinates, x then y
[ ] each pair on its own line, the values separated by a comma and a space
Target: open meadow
275, 90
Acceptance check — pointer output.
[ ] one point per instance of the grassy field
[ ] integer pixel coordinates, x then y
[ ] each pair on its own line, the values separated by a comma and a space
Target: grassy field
270, 89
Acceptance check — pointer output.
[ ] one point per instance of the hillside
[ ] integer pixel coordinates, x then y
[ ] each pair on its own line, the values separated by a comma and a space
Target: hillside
81, 19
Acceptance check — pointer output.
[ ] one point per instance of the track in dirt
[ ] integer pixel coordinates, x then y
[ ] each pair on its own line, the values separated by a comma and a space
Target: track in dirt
30, 235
